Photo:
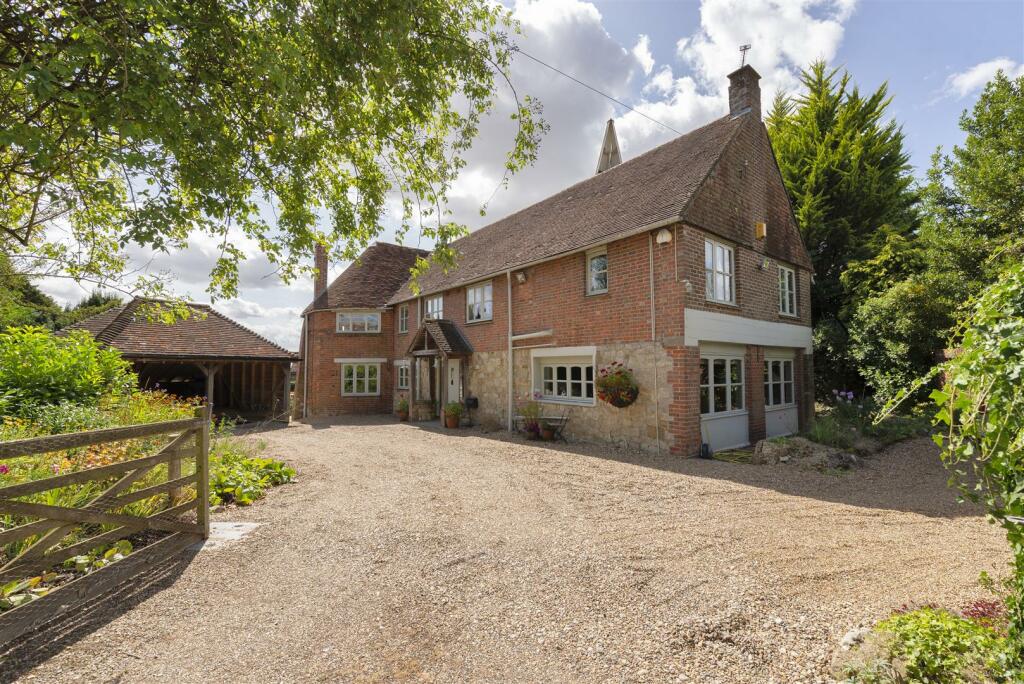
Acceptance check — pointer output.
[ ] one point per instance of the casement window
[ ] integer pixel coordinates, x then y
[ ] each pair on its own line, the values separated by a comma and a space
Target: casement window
787, 291
479, 303
358, 322
403, 375
403, 318
435, 307
360, 379
718, 272
564, 375
597, 271
778, 382
721, 385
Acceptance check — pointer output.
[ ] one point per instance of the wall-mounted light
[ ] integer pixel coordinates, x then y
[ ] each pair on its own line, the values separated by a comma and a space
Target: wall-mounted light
663, 237
765, 263
520, 277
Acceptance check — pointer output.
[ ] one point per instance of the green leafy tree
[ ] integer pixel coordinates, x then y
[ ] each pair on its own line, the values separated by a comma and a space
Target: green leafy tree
848, 174
982, 406
21, 302
146, 122
95, 302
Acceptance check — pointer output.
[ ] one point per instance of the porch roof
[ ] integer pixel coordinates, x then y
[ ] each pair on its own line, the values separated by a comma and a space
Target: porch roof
447, 338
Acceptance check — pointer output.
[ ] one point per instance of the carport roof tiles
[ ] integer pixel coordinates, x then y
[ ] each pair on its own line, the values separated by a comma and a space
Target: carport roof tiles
208, 334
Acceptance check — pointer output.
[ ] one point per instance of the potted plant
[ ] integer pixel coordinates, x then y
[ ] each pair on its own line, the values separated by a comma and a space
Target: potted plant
547, 431
452, 414
402, 408
617, 385
529, 409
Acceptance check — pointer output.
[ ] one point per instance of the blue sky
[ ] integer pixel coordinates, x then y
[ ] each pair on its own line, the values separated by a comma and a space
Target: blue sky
669, 60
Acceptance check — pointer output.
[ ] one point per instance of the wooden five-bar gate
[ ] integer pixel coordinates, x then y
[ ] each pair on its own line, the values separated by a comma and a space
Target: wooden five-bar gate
189, 438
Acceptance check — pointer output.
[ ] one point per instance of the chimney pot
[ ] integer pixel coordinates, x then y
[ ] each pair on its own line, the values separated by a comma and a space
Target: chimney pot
744, 92
320, 279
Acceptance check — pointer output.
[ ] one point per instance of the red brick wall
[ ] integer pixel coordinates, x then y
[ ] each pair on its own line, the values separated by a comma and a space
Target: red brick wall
324, 383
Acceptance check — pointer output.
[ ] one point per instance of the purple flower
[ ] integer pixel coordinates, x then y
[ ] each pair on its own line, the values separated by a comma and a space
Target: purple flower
849, 395
4, 469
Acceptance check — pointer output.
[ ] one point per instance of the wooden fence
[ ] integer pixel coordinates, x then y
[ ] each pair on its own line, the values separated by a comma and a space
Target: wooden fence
190, 438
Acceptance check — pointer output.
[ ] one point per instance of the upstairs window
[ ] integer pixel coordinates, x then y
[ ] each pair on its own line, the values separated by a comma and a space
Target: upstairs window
479, 304
718, 272
597, 271
435, 307
787, 291
358, 322
403, 318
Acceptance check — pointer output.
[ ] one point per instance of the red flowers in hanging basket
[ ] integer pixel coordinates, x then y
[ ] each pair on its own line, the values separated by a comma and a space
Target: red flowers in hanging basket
616, 385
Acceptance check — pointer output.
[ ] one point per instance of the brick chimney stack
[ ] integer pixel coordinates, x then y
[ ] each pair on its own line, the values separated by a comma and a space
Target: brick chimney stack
320, 279
744, 92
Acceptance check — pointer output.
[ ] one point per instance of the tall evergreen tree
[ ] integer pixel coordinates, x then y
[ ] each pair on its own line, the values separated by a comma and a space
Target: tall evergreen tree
849, 177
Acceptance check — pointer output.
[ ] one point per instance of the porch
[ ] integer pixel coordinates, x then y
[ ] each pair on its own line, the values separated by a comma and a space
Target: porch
438, 359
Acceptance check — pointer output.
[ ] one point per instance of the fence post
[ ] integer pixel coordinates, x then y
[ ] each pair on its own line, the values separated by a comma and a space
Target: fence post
203, 471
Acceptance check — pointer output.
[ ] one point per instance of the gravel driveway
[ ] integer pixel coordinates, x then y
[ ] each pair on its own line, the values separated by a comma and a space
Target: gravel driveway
408, 554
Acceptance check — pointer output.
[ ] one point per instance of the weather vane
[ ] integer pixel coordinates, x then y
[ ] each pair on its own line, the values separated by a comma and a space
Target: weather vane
743, 53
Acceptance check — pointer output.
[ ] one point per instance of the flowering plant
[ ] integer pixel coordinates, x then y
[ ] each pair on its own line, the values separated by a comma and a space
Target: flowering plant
617, 385
530, 409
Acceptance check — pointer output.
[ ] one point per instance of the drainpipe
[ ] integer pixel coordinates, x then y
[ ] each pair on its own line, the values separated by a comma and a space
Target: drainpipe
305, 363
654, 339
508, 363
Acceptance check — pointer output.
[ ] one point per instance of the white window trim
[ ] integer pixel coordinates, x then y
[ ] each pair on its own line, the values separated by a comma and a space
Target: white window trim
480, 286
403, 319
715, 270
791, 292
730, 412
573, 356
590, 254
399, 366
360, 362
792, 374
356, 312
426, 307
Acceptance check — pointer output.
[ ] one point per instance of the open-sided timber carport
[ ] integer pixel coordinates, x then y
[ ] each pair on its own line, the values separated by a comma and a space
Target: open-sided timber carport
239, 372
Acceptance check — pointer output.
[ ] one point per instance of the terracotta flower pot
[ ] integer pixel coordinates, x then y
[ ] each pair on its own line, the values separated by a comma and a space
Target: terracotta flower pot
547, 434
403, 416
451, 422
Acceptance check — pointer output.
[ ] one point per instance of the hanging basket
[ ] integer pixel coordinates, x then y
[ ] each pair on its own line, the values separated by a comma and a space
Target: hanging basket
620, 398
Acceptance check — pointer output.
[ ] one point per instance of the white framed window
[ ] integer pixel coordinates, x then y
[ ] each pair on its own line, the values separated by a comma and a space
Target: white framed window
721, 385
403, 318
787, 291
565, 375
435, 307
718, 272
403, 375
365, 322
479, 302
597, 271
778, 383
360, 379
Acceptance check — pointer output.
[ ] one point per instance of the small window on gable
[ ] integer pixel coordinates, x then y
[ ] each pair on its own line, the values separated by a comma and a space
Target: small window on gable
597, 271
718, 272
479, 303
435, 307
787, 291
403, 318
358, 322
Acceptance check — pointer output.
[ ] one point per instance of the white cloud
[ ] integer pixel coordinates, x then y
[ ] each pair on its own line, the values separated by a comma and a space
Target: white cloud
969, 81
642, 52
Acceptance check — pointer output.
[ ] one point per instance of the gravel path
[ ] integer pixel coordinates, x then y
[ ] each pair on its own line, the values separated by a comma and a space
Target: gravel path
407, 554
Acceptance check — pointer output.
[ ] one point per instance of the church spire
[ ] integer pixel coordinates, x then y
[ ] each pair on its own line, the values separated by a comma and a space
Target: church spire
609, 156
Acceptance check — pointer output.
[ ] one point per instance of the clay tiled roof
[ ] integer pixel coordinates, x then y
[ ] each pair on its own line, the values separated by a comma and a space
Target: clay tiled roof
445, 334
206, 335
370, 281
655, 186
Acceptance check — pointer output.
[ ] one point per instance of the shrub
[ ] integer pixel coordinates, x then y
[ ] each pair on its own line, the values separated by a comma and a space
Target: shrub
237, 474
39, 368
830, 431
933, 645
453, 409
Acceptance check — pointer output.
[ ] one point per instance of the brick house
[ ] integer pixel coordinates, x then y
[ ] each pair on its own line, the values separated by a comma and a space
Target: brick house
684, 263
